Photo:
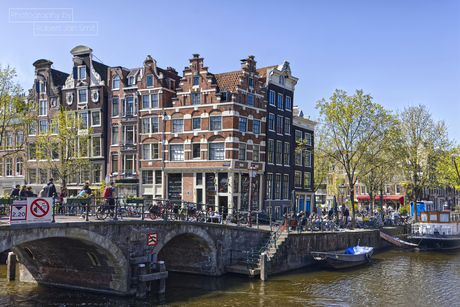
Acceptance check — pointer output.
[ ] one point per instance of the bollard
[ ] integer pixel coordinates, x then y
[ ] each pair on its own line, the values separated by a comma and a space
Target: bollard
11, 266
141, 290
263, 267
161, 284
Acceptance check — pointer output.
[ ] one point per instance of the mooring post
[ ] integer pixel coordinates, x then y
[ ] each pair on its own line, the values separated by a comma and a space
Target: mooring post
141, 290
11, 267
263, 267
161, 283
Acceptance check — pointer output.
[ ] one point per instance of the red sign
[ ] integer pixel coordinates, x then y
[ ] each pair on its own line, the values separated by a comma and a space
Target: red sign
39, 207
152, 239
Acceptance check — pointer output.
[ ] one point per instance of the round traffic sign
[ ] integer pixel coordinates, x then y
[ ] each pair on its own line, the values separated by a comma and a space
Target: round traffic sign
125, 191
39, 207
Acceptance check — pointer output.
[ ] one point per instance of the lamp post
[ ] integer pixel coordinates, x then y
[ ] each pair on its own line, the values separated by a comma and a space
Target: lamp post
342, 191
251, 173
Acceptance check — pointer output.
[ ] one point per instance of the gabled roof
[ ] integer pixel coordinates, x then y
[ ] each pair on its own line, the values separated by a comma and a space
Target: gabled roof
227, 81
101, 69
263, 73
58, 77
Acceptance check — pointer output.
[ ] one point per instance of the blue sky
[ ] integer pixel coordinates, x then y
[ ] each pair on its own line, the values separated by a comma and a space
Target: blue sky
401, 52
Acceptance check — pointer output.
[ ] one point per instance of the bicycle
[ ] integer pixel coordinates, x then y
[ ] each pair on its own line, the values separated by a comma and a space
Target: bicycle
102, 212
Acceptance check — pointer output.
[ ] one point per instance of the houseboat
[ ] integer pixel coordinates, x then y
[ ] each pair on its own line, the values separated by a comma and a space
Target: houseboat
437, 230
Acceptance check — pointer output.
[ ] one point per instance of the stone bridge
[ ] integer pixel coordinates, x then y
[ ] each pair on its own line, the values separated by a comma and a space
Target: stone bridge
99, 256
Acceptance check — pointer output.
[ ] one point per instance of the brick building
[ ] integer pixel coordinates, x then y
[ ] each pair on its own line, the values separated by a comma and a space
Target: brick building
193, 137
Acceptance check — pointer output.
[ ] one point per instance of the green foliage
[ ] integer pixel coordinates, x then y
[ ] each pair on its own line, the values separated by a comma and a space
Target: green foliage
67, 151
420, 149
353, 132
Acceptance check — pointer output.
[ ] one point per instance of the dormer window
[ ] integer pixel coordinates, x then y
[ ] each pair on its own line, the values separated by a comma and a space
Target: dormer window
116, 83
149, 80
223, 96
281, 81
131, 80
81, 72
42, 87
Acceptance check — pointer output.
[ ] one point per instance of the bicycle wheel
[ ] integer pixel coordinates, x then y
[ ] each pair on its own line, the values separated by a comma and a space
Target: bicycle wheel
123, 212
102, 213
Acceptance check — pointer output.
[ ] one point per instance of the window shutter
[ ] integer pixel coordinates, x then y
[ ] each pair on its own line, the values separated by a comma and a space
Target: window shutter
75, 72
37, 87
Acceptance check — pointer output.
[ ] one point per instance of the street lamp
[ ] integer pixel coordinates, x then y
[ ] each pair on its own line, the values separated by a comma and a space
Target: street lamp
342, 192
252, 173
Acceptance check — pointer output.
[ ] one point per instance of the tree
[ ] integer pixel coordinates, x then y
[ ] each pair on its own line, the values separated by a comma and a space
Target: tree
64, 148
449, 169
14, 113
354, 130
422, 145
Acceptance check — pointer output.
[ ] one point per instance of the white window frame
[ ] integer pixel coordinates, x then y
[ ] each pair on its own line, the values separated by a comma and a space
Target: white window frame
79, 91
116, 80
43, 107
147, 80
80, 77
92, 118
176, 152
216, 151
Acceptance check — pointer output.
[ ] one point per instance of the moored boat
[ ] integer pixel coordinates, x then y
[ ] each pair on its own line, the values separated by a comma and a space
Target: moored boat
437, 230
398, 242
346, 258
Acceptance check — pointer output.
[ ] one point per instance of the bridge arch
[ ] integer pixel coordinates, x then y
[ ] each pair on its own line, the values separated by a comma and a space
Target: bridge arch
69, 257
188, 249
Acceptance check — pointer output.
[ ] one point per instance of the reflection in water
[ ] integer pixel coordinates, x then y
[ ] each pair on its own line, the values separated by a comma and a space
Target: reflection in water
394, 279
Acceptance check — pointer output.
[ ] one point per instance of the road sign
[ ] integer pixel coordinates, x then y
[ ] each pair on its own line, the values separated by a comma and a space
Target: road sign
39, 209
152, 239
18, 213
125, 191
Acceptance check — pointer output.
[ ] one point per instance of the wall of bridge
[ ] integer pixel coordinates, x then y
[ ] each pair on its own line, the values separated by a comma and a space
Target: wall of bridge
97, 256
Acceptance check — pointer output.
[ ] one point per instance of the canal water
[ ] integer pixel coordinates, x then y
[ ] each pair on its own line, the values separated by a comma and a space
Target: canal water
395, 278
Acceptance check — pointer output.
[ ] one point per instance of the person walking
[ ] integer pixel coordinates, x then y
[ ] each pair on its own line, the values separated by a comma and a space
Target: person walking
50, 189
62, 195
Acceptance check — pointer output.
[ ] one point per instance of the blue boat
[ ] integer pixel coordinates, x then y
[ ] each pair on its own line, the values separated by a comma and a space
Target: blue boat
346, 258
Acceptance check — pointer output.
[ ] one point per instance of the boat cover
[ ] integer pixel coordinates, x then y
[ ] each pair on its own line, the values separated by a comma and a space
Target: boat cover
356, 250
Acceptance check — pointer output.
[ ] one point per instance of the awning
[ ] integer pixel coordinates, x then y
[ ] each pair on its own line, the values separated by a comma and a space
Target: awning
396, 198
